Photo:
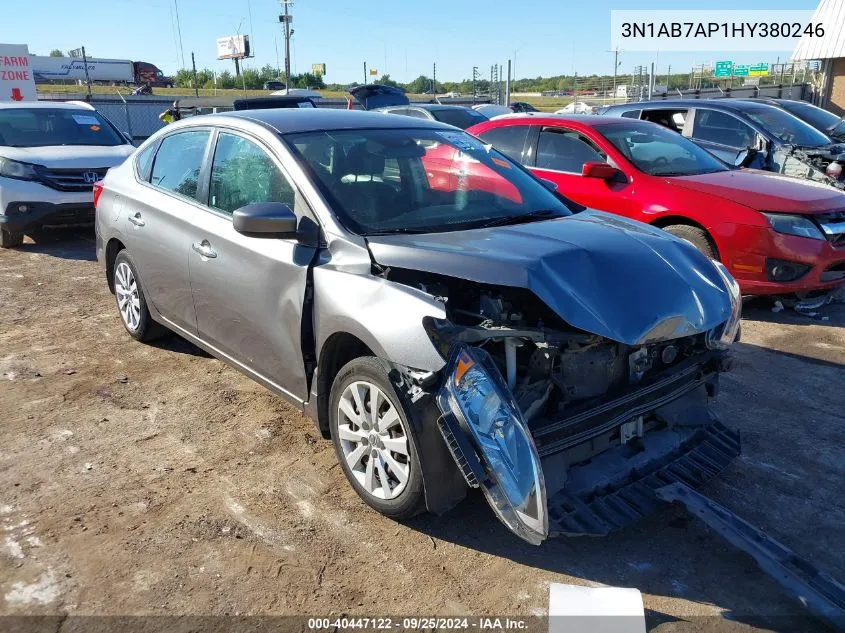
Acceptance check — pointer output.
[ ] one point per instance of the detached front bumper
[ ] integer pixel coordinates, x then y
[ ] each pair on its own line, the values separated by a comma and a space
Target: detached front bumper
631, 495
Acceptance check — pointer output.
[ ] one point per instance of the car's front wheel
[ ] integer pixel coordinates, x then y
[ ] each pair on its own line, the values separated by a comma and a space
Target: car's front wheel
695, 236
373, 439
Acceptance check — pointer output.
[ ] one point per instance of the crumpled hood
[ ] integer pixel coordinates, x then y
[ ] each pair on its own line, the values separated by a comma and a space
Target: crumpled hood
611, 276
69, 156
765, 191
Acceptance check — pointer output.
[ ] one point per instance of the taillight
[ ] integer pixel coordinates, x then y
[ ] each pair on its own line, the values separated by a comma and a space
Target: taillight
98, 189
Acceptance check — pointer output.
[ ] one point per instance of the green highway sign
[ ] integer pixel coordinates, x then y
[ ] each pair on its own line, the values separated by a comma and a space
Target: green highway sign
723, 69
741, 71
758, 70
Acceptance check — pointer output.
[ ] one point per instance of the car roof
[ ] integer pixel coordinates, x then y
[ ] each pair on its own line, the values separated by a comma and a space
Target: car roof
61, 105
292, 120
590, 120
733, 105
430, 106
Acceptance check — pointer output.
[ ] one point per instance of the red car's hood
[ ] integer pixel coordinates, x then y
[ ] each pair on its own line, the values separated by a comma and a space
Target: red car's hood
765, 191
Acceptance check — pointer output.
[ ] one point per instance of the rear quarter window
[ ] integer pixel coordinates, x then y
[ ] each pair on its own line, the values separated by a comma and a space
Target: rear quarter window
143, 162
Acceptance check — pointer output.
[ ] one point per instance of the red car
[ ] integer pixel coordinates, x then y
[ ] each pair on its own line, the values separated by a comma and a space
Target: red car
775, 234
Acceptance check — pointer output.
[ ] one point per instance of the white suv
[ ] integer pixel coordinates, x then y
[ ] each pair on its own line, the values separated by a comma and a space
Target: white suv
51, 154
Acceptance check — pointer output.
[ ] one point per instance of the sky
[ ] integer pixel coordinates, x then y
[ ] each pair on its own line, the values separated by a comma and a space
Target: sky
402, 38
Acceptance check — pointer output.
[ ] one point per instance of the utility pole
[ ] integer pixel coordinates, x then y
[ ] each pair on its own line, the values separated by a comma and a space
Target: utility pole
365, 73
87, 78
434, 79
194, 66
508, 86
286, 18
474, 79
651, 82
615, 52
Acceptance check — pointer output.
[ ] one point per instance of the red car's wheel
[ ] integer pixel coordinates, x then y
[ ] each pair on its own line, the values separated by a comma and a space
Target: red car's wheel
695, 236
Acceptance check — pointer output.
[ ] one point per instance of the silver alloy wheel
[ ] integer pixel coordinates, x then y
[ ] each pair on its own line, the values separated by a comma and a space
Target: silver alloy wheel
126, 289
373, 440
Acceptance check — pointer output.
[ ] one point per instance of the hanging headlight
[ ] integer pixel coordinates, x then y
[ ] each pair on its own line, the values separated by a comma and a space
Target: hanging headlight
478, 398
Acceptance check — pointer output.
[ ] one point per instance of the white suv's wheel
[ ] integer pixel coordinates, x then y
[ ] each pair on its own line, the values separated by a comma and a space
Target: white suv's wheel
9, 239
373, 440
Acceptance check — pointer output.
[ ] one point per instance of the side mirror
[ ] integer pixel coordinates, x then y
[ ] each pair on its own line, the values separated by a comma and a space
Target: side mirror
265, 219
745, 157
596, 169
548, 184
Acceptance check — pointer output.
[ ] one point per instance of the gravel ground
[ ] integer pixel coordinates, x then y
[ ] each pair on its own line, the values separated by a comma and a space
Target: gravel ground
155, 480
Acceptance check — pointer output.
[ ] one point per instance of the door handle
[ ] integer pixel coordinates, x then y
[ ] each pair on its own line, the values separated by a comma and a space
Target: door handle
137, 220
204, 249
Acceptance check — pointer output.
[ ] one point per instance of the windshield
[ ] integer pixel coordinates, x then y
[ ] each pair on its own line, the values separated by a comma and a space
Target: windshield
459, 117
659, 151
786, 127
818, 118
420, 181
40, 127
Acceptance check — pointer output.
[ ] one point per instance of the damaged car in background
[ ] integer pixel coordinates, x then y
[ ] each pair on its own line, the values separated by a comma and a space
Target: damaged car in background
445, 332
747, 133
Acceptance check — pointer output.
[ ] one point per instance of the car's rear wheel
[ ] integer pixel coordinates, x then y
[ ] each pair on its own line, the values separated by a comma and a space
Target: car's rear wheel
131, 302
373, 440
9, 239
695, 236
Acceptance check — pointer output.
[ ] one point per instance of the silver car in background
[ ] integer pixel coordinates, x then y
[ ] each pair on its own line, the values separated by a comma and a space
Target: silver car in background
447, 319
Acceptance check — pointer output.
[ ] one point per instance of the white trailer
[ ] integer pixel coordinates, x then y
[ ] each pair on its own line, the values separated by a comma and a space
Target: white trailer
73, 69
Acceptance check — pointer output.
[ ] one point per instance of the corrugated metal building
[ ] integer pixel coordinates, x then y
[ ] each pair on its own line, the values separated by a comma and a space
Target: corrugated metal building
830, 50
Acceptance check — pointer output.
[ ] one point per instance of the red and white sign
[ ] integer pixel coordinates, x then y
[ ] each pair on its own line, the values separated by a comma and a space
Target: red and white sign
17, 82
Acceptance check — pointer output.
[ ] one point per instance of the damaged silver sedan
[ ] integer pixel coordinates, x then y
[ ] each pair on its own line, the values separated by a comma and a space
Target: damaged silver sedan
448, 328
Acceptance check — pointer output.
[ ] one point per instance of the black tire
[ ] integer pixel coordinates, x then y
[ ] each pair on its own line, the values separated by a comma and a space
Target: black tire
146, 329
411, 500
9, 239
696, 236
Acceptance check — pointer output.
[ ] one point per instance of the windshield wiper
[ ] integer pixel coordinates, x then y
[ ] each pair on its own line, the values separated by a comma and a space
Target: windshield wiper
404, 230
530, 216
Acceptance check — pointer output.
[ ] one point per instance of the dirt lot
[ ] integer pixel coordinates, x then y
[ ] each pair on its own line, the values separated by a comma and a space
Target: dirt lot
142, 479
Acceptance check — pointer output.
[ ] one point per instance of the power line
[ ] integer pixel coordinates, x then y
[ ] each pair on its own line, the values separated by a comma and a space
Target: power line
179, 29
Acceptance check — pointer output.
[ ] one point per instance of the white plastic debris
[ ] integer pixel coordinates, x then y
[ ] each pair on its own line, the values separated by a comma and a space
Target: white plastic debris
778, 307
576, 609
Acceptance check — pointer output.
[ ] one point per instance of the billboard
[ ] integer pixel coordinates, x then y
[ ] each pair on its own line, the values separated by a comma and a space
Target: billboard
233, 47
318, 69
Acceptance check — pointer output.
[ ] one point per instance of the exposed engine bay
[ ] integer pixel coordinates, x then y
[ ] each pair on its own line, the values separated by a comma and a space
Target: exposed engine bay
583, 396
822, 164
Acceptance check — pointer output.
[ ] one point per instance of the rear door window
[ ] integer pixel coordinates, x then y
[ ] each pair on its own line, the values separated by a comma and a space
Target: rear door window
566, 151
723, 129
242, 173
673, 118
178, 162
510, 140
